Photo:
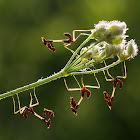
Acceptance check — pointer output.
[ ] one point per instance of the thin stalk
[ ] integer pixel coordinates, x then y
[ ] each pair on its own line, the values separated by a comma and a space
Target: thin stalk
51, 78
88, 65
97, 70
77, 50
32, 85
79, 57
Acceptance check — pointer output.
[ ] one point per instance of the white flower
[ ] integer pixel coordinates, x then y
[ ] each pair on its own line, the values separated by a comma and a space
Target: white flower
101, 24
112, 32
107, 25
121, 25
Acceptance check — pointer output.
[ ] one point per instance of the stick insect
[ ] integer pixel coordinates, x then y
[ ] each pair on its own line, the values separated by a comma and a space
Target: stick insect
24, 110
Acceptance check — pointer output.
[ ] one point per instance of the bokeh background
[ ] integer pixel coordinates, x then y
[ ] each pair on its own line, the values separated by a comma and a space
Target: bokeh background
24, 59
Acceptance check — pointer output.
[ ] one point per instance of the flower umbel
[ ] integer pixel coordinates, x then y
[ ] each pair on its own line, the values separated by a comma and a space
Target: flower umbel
108, 41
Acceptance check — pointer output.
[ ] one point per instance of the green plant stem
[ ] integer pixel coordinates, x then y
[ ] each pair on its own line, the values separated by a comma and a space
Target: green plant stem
32, 85
88, 65
78, 59
97, 70
51, 78
77, 50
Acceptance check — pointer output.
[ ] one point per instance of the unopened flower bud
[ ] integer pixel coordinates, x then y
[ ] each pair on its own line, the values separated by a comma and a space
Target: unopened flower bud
83, 50
84, 58
112, 50
123, 55
112, 32
118, 28
92, 53
99, 33
114, 40
132, 49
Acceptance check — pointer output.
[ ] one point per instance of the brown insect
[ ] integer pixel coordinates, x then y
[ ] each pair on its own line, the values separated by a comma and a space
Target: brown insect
67, 42
49, 43
73, 105
26, 109
108, 99
116, 81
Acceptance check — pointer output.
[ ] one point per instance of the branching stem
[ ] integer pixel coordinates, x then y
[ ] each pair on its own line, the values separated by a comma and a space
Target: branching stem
55, 76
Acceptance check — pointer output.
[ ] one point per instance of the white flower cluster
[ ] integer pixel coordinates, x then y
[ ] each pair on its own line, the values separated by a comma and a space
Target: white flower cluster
113, 43
112, 32
107, 25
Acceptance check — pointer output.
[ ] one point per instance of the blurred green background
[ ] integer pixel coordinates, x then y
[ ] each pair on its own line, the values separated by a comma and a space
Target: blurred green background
24, 59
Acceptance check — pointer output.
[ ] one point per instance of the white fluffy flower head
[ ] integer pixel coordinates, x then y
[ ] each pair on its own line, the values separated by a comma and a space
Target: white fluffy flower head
107, 25
112, 32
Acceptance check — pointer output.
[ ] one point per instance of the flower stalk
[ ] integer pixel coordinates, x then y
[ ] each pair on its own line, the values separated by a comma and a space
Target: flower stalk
51, 78
109, 41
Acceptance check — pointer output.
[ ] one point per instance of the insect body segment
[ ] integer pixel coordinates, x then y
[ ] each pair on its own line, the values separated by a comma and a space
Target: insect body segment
108, 99
73, 106
49, 44
50, 112
116, 81
26, 109
67, 40
83, 90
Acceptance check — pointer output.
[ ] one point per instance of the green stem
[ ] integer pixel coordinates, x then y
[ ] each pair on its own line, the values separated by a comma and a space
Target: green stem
78, 59
32, 85
88, 65
77, 50
97, 70
51, 78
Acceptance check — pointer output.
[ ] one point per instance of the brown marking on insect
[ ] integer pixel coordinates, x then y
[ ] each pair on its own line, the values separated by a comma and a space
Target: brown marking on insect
106, 96
74, 111
116, 81
108, 99
83, 90
109, 103
49, 44
73, 106
50, 112
26, 111
67, 40
72, 102
48, 122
